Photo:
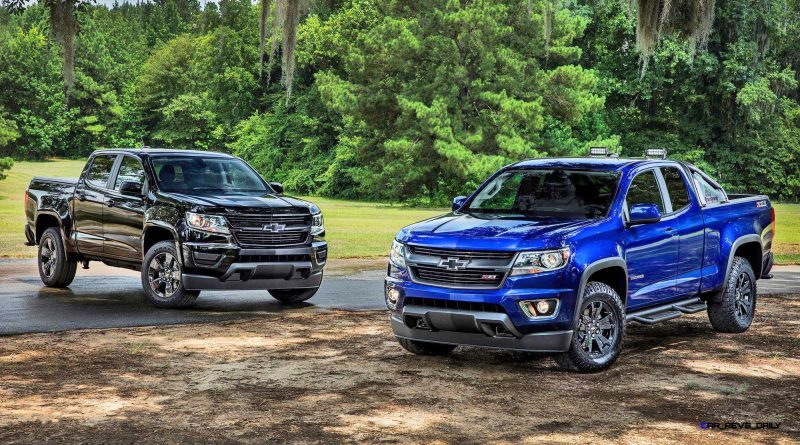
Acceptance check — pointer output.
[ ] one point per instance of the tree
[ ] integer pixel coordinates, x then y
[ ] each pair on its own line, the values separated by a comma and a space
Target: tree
5, 164
285, 23
64, 27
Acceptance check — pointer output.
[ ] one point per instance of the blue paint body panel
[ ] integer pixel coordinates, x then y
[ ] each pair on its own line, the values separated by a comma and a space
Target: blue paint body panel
686, 253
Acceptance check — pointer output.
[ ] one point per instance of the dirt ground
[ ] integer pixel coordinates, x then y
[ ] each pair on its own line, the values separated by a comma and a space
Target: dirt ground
331, 377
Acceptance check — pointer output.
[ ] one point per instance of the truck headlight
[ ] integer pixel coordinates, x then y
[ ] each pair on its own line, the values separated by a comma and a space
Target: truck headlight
207, 223
317, 224
528, 263
397, 254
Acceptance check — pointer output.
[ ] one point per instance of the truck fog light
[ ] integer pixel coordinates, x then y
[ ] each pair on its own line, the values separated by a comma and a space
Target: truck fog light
544, 308
392, 294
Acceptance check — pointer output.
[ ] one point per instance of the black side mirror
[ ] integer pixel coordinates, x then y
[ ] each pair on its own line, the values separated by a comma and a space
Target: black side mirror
277, 186
131, 188
458, 201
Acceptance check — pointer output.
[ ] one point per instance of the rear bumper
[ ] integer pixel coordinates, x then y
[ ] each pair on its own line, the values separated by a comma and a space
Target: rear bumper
485, 329
227, 267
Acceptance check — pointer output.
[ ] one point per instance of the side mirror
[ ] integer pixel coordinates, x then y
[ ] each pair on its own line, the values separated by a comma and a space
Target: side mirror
458, 201
644, 214
277, 186
131, 188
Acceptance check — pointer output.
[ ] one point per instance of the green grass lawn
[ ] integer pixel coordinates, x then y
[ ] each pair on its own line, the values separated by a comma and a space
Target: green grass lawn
354, 229
787, 234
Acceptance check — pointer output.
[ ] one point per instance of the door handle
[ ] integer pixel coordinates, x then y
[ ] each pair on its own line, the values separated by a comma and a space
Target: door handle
81, 196
111, 203
670, 230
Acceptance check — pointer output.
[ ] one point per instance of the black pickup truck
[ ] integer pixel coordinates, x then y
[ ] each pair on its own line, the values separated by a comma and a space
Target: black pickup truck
188, 220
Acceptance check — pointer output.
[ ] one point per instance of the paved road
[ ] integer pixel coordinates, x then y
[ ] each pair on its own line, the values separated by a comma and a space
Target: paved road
104, 297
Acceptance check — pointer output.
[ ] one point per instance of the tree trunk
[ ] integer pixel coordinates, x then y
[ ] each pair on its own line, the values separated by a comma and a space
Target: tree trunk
64, 27
262, 38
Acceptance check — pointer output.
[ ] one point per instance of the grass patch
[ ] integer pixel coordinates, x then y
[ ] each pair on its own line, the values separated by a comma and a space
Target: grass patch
354, 229
12, 215
787, 234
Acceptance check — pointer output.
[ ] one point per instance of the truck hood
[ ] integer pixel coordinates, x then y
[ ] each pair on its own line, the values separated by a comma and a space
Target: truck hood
463, 231
240, 202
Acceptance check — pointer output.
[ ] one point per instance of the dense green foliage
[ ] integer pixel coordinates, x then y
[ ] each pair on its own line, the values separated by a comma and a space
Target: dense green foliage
410, 99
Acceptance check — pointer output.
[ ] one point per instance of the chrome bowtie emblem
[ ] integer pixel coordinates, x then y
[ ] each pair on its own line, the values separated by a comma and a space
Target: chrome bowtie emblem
273, 227
453, 263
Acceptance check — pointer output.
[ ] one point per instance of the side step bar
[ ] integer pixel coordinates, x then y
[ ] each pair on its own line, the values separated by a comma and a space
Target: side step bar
666, 312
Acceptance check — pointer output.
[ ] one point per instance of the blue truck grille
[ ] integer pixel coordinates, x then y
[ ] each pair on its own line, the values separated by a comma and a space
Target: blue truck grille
451, 304
463, 254
488, 278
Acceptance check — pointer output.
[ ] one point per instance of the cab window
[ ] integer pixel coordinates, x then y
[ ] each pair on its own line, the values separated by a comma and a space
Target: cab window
129, 170
712, 195
644, 190
100, 170
676, 187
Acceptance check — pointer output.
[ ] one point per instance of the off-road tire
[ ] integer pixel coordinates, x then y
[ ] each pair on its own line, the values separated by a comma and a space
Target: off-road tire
293, 296
56, 269
724, 308
578, 359
180, 297
425, 348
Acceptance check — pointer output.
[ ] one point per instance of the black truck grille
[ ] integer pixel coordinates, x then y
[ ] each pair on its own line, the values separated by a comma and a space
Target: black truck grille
256, 221
462, 254
466, 277
260, 239
450, 304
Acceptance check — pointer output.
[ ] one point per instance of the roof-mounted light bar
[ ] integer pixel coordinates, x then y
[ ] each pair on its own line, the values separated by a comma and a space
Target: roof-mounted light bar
598, 152
656, 153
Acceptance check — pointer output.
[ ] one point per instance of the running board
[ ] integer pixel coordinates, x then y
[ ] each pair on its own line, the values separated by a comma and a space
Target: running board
666, 312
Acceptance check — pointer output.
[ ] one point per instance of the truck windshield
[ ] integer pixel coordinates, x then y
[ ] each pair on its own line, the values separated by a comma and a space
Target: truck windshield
205, 176
547, 193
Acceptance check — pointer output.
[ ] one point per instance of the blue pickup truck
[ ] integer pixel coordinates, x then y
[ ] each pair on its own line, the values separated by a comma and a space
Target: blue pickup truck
557, 255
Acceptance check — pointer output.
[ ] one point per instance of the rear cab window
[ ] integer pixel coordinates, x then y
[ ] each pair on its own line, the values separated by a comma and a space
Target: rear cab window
709, 194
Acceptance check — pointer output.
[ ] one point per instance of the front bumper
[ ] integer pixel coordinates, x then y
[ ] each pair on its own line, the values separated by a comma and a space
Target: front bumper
485, 317
210, 266
485, 329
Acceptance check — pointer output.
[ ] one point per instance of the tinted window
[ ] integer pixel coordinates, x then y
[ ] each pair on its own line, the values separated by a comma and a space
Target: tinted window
100, 170
644, 190
207, 176
712, 194
129, 170
562, 193
678, 194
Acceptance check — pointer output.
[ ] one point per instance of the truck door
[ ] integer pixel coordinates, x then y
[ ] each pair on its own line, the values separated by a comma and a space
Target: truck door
123, 217
689, 224
651, 249
90, 196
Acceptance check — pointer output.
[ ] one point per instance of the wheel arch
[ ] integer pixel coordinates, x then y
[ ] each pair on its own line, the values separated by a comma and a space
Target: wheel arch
46, 220
155, 233
748, 247
611, 271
